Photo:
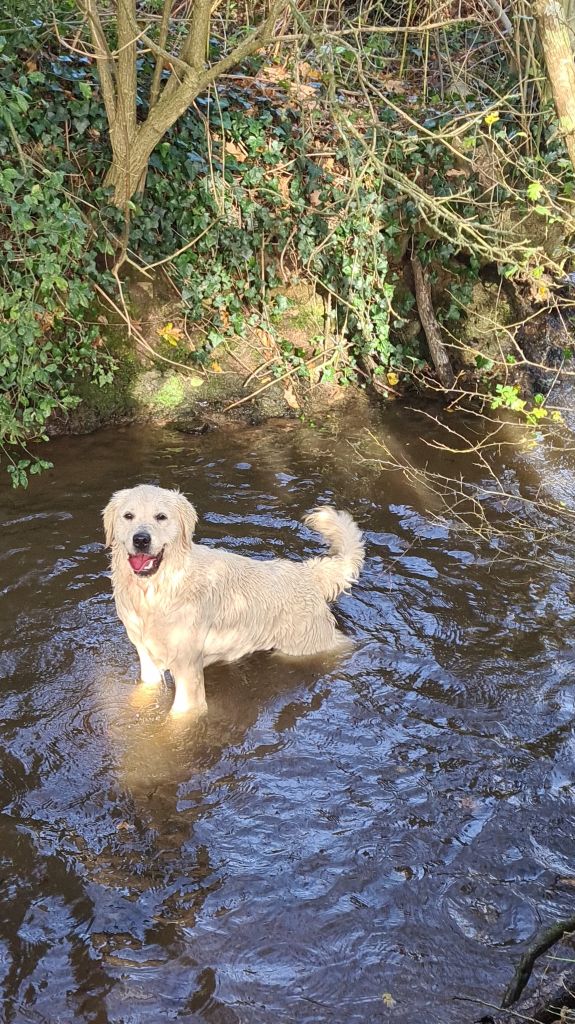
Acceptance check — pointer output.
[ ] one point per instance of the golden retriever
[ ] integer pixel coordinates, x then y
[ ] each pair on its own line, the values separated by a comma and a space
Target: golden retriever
185, 606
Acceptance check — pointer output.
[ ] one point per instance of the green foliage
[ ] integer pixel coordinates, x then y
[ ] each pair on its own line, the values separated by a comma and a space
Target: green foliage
269, 188
507, 396
44, 295
46, 278
230, 191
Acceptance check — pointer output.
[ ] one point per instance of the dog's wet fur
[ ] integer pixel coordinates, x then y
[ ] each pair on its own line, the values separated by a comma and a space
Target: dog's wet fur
185, 606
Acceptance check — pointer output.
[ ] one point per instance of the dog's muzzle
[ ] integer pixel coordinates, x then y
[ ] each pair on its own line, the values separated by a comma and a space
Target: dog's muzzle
144, 564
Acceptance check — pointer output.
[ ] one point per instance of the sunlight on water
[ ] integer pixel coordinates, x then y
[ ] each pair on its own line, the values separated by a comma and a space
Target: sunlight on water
393, 821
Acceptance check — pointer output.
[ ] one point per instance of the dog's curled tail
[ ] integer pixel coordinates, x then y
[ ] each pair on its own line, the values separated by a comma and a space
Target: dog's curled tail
342, 566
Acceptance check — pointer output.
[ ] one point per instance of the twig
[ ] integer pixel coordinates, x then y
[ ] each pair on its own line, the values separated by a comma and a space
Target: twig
139, 336
264, 387
188, 245
548, 937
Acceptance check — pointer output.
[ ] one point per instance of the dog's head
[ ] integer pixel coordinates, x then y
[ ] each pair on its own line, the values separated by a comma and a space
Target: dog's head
147, 524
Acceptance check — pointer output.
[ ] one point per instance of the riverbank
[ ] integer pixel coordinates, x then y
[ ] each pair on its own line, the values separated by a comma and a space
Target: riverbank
292, 370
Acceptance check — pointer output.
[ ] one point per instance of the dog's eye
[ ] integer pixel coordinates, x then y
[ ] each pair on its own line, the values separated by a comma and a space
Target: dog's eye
161, 517
128, 515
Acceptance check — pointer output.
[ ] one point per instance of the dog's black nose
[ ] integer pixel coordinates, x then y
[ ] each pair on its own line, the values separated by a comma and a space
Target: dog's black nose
141, 540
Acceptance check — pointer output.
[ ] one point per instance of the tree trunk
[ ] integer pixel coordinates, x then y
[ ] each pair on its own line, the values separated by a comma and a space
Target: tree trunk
127, 171
133, 143
554, 33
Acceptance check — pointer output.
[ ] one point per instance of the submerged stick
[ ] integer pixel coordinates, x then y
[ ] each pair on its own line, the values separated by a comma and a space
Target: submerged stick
547, 938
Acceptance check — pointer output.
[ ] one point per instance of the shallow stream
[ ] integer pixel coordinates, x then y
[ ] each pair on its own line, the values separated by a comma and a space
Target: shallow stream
370, 840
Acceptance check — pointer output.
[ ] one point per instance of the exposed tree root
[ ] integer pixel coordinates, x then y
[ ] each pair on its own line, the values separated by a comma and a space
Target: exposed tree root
430, 325
547, 938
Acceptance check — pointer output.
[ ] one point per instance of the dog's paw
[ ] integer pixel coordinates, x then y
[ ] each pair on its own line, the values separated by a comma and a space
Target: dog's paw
184, 706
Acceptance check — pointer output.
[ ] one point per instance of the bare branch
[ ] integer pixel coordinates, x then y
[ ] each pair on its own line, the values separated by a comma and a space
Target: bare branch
126, 57
195, 46
257, 39
163, 38
167, 57
104, 60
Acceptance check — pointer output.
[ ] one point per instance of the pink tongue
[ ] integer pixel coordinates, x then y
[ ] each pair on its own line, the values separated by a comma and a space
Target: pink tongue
139, 562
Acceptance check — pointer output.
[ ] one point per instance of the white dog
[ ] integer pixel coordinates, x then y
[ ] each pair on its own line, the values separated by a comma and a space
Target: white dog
185, 606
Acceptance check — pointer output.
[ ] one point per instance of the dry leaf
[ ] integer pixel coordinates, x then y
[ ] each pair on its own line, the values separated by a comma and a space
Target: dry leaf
393, 85
265, 339
291, 399
283, 186
237, 151
307, 72
216, 368
303, 92
314, 198
541, 293
274, 73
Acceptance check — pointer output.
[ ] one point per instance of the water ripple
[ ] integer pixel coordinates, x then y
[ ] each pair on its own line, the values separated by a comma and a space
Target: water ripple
336, 835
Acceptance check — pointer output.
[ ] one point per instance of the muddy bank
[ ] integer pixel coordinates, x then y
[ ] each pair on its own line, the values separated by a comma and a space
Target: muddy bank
193, 401
164, 376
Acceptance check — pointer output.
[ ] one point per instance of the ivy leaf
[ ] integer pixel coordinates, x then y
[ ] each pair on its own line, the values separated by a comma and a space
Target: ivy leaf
483, 363
534, 191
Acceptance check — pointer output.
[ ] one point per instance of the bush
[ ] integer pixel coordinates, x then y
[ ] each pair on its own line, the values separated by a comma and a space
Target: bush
48, 267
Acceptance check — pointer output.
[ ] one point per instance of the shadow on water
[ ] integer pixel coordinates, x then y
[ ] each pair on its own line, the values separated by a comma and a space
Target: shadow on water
335, 840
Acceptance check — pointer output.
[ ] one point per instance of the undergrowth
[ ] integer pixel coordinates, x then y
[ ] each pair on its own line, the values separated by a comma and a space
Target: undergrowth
274, 176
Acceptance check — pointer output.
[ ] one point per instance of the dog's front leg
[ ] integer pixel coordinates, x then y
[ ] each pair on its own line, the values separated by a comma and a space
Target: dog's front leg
190, 692
150, 674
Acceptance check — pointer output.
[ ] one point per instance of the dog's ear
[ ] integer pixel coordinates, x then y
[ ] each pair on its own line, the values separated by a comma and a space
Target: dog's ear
187, 515
109, 515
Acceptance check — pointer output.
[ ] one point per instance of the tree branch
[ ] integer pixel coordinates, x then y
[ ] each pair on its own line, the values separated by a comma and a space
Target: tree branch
127, 84
547, 938
195, 46
163, 38
167, 57
258, 38
104, 60
177, 96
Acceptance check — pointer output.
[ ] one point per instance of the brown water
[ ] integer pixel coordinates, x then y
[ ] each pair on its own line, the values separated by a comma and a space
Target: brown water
330, 837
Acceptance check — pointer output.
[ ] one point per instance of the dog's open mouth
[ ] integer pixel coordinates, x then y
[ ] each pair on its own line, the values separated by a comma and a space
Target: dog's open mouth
145, 565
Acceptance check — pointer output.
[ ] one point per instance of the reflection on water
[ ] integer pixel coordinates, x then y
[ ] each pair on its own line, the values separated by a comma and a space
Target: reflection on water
394, 824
